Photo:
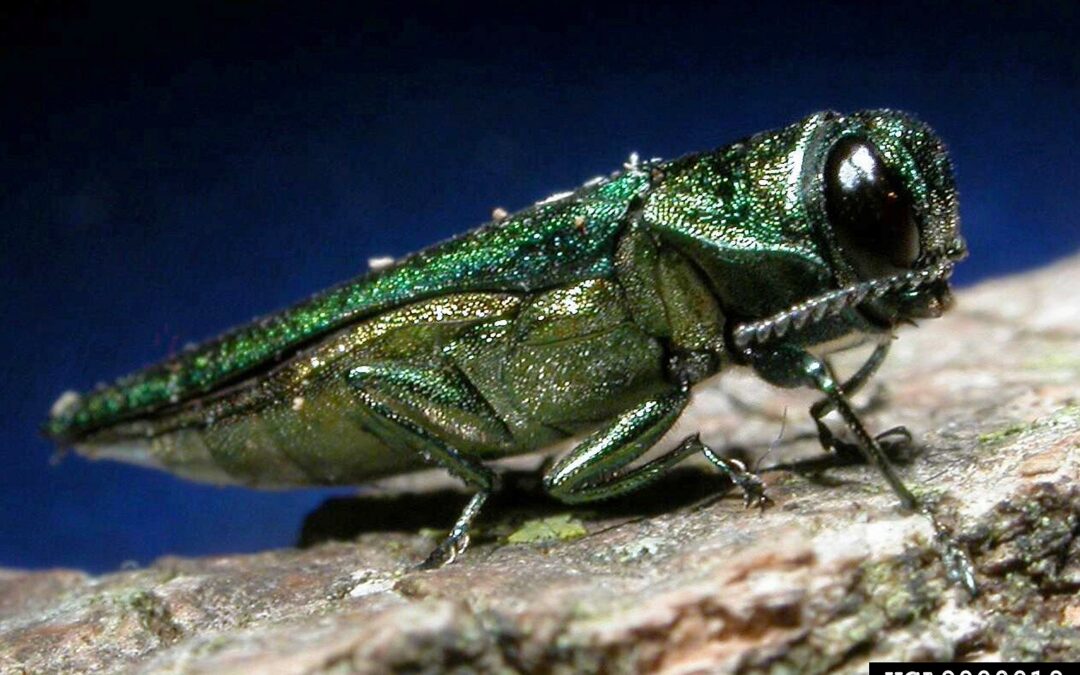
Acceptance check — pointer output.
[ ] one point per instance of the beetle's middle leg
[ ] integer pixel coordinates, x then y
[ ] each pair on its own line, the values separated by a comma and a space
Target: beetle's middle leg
591, 471
413, 409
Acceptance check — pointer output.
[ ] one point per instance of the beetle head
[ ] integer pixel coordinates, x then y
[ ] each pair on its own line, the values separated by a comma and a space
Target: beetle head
883, 195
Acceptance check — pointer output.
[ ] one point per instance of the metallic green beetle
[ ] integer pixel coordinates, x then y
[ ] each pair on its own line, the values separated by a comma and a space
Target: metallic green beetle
591, 313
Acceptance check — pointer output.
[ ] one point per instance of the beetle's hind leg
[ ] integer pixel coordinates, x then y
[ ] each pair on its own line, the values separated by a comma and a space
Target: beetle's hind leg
593, 470
404, 405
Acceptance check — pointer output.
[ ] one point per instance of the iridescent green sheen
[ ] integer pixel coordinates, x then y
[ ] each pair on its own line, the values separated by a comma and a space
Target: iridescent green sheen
748, 216
550, 244
592, 313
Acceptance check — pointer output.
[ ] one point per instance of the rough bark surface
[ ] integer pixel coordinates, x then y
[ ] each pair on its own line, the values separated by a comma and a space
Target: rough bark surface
678, 579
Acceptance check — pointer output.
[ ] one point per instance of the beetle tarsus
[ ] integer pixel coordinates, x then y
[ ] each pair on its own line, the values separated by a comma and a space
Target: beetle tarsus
444, 554
958, 566
752, 487
458, 540
897, 443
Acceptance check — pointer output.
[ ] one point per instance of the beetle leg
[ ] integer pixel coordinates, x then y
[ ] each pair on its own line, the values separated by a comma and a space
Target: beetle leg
957, 563
820, 376
591, 471
382, 391
852, 385
856, 382
752, 488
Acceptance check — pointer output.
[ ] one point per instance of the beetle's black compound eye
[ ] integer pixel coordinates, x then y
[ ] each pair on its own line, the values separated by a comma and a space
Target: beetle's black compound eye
869, 208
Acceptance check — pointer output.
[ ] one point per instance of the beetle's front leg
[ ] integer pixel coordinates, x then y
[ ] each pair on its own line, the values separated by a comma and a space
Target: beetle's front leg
893, 441
791, 366
404, 405
591, 471
958, 565
820, 376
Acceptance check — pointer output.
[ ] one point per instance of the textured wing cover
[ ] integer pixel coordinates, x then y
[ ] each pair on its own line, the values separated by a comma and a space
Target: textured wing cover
552, 243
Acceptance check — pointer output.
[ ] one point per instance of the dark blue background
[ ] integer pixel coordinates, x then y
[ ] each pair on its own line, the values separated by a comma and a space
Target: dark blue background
168, 173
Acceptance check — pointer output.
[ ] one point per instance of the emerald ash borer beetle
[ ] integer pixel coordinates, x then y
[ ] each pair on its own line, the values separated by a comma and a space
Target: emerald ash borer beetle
591, 314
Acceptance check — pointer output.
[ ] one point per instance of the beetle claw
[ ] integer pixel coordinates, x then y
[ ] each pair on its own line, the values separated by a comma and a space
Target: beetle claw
445, 553
754, 492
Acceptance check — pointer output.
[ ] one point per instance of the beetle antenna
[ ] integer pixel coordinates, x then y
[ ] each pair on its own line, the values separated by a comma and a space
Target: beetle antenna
833, 302
775, 443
